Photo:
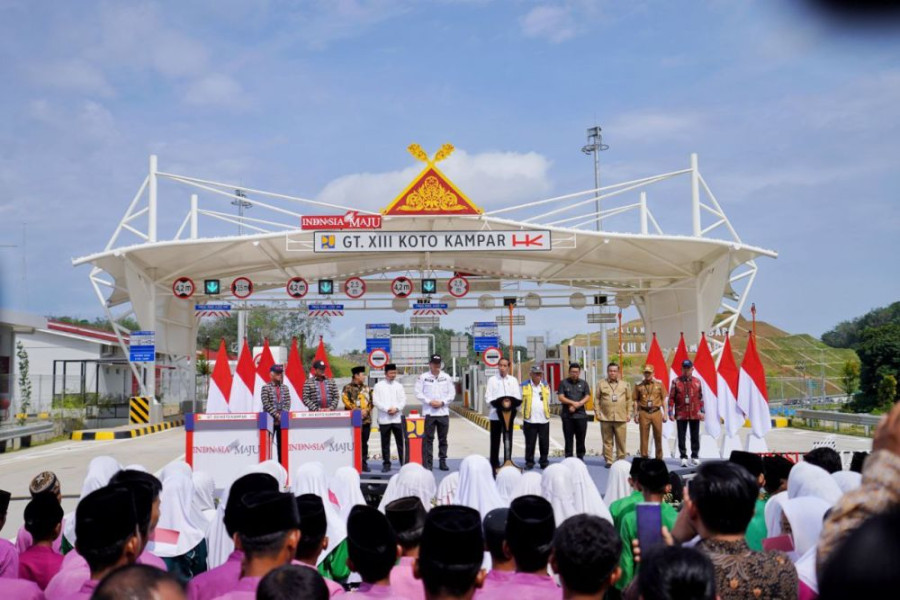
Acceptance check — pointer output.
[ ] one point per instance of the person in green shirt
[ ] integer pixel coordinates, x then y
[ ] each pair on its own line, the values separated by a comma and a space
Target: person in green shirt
653, 478
756, 530
622, 505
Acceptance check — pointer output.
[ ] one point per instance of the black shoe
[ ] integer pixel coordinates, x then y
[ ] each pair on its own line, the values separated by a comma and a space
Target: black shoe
429, 467
443, 466
386, 468
529, 466
365, 468
544, 465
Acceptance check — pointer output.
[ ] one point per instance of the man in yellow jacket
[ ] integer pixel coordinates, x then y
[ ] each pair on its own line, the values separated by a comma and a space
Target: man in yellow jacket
613, 409
536, 412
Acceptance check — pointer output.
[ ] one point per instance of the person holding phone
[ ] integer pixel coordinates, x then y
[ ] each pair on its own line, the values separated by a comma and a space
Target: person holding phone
646, 519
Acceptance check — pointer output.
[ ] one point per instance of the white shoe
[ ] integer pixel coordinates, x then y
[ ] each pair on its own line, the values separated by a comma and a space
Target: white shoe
684, 462
696, 462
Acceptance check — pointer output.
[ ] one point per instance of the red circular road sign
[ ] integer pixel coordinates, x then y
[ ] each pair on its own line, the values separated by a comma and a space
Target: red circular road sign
354, 287
297, 287
378, 358
241, 288
491, 356
183, 288
402, 287
458, 286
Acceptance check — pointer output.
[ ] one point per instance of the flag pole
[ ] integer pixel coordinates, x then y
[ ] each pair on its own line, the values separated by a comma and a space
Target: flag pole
753, 314
620, 343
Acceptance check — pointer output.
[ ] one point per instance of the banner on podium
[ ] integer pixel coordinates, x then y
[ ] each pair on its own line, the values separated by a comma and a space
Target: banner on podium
332, 438
224, 444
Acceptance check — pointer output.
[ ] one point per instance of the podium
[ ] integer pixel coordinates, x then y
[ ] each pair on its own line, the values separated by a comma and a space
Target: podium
415, 433
333, 438
223, 444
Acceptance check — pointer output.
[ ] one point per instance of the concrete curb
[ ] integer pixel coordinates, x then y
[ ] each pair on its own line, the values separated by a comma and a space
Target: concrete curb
475, 417
86, 436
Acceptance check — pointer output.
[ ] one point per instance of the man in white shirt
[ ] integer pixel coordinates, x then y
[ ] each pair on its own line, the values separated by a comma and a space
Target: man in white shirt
536, 413
435, 390
389, 398
498, 386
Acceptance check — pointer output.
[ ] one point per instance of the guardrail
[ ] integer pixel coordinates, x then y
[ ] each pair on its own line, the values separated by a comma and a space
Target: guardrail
838, 418
24, 434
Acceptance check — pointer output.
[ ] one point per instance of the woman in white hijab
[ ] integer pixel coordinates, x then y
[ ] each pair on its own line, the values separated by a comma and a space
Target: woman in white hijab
186, 551
476, 485
529, 484
270, 467
345, 486
557, 488
175, 467
587, 496
204, 495
100, 471
774, 510
446, 493
310, 478
507, 478
809, 480
806, 517
412, 480
847, 480
617, 485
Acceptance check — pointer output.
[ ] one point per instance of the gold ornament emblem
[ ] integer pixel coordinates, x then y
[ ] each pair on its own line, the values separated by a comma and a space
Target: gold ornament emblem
431, 192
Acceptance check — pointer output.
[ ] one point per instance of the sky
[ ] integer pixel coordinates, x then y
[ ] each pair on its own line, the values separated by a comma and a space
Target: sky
795, 119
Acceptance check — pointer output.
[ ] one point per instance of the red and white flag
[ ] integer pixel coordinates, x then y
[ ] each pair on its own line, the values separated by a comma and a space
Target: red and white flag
243, 383
263, 367
660, 369
295, 377
731, 413
752, 391
323, 356
705, 370
220, 383
681, 355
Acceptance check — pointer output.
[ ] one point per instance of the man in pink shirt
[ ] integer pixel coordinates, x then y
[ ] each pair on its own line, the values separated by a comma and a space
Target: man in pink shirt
223, 578
139, 581
407, 518
290, 582
503, 566
43, 520
271, 530
45, 482
451, 553
372, 551
9, 558
106, 528
529, 538
313, 541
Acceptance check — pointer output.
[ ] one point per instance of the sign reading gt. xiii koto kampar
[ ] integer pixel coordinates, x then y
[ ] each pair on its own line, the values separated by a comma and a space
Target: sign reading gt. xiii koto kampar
427, 241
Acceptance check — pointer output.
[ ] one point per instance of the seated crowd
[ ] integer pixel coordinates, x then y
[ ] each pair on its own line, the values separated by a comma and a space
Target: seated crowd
750, 527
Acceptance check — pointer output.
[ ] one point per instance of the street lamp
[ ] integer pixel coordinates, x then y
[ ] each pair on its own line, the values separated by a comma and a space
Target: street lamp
241, 205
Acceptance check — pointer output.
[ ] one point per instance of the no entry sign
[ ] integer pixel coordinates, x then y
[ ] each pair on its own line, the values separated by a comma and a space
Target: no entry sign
491, 357
378, 358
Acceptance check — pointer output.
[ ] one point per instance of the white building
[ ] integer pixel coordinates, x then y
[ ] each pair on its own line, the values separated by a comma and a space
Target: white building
65, 360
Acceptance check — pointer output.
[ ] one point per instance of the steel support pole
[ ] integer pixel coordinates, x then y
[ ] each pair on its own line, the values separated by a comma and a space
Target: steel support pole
151, 201
695, 195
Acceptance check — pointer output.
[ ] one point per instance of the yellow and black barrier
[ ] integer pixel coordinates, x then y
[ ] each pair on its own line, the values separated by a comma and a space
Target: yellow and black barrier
122, 434
139, 410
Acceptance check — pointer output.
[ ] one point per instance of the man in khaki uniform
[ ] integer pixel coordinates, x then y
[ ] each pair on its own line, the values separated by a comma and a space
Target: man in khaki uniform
650, 403
613, 409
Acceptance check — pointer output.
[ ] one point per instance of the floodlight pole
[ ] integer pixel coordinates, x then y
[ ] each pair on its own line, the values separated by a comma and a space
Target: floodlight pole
595, 146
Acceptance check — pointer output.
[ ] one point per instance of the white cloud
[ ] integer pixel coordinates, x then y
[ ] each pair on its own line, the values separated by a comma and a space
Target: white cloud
555, 23
653, 125
88, 121
489, 179
217, 90
75, 75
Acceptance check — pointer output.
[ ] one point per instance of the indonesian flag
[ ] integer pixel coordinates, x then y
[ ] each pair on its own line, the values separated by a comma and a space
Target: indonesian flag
728, 391
295, 377
752, 391
705, 369
661, 372
266, 360
681, 355
321, 355
219, 383
244, 382
658, 361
